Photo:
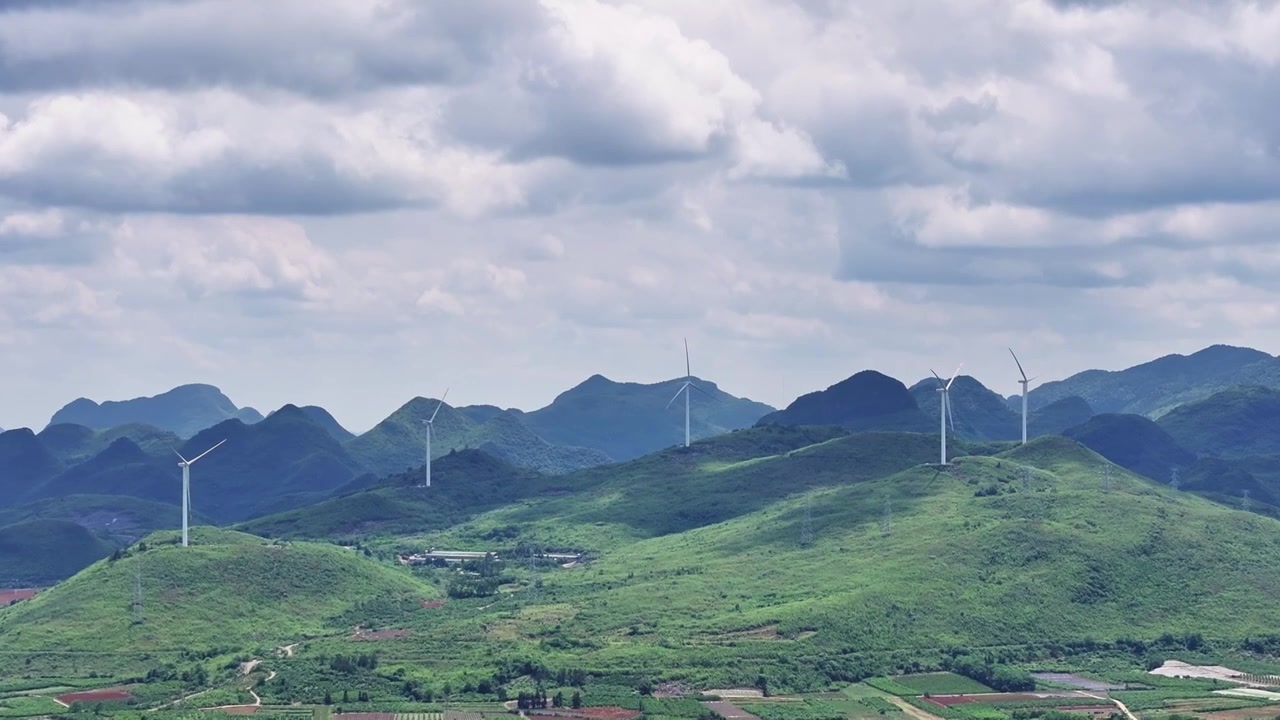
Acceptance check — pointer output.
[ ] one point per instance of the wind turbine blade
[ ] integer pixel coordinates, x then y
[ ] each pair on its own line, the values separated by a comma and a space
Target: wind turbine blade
175, 452
940, 380
954, 376
206, 452
442, 397
950, 418
688, 371
695, 386
1015, 359
677, 395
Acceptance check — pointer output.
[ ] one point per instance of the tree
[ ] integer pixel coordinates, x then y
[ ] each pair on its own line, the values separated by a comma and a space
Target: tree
558, 700
346, 698
328, 699
577, 700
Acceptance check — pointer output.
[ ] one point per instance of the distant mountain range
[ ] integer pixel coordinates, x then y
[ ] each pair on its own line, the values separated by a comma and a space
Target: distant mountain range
1158, 386
184, 410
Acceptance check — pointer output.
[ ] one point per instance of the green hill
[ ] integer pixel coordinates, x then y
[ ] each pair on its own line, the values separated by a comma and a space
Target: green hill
41, 552
226, 590
25, 463
978, 413
868, 400
1020, 553
507, 437
628, 420
122, 468
73, 444
1133, 442
1154, 387
185, 410
1238, 422
324, 419
463, 483
399, 441
1057, 417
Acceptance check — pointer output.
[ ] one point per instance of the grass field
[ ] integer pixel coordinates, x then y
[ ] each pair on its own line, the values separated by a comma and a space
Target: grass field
944, 683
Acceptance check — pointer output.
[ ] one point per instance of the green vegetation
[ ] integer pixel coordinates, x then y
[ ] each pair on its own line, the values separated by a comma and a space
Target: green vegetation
941, 684
802, 710
1153, 387
979, 413
866, 401
893, 687
1237, 422
1057, 417
41, 552
120, 519
1134, 443
227, 591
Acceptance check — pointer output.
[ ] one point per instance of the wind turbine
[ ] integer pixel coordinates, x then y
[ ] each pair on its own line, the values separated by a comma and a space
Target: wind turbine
944, 409
1024, 381
186, 487
688, 383
430, 428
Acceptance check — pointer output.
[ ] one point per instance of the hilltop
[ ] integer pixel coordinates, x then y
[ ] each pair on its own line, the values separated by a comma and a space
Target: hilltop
1238, 422
1155, 387
626, 420
399, 441
184, 410
1133, 442
24, 463
868, 400
978, 413
227, 589
1057, 417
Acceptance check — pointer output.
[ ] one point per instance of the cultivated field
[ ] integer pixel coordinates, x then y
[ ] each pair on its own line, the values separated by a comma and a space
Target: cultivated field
103, 695
943, 683
10, 595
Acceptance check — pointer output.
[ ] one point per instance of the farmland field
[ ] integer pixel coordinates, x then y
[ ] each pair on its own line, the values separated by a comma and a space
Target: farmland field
103, 695
943, 683
9, 595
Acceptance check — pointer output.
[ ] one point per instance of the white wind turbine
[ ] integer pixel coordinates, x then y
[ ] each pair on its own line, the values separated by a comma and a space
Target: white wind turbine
944, 409
1024, 381
688, 383
430, 430
186, 487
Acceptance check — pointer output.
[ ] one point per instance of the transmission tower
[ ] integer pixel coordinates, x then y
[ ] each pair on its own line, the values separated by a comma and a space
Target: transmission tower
1105, 478
1026, 479
886, 523
1244, 501
1175, 481
137, 593
806, 528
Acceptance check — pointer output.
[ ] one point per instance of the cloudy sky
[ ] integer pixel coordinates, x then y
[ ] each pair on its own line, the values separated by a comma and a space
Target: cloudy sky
352, 202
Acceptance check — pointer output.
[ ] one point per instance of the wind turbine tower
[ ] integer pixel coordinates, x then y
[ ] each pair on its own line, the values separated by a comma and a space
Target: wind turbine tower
430, 430
944, 409
688, 384
1025, 381
186, 488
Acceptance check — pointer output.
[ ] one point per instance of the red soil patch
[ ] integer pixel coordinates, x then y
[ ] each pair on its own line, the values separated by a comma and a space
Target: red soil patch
9, 595
994, 698
432, 604
365, 716
104, 695
240, 710
1242, 713
362, 635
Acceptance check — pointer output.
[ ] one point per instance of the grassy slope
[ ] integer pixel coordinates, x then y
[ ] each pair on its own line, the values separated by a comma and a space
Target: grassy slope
40, 552
1061, 561
226, 589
